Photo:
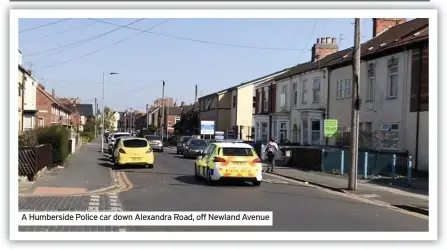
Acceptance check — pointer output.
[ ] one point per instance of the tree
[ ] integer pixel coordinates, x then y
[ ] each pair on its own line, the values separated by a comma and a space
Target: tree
109, 119
90, 125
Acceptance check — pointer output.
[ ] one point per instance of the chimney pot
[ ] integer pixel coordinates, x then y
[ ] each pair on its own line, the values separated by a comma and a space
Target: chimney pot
318, 40
334, 40
53, 93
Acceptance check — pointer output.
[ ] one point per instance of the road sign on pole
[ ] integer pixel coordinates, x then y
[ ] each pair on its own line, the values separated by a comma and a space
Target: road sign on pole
330, 127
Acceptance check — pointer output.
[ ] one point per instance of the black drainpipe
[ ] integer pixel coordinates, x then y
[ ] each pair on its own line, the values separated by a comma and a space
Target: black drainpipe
270, 109
416, 158
328, 98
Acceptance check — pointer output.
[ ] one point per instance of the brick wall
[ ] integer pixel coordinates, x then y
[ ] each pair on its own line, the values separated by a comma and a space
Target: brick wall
382, 24
43, 105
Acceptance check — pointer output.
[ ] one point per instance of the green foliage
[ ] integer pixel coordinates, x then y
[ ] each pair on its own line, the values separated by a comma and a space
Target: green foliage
58, 137
90, 125
28, 139
151, 129
89, 136
109, 119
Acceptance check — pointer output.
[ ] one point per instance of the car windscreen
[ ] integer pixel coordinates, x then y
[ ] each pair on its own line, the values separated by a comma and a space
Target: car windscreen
135, 143
120, 135
237, 152
153, 138
185, 139
198, 143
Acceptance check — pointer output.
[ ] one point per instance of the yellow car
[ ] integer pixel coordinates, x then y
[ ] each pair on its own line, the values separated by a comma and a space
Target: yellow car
134, 151
229, 160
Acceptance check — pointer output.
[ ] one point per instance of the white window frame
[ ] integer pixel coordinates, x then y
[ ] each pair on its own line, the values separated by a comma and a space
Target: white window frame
393, 63
390, 127
266, 100
283, 97
316, 87
295, 94
370, 88
340, 89
348, 87
266, 132
304, 91
283, 130
305, 130
344, 88
274, 129
312, 131
259, 102
258, 131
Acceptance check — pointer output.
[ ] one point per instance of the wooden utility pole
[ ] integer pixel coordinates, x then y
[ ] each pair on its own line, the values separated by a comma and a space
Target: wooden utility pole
163, 104
96, 116
352, 185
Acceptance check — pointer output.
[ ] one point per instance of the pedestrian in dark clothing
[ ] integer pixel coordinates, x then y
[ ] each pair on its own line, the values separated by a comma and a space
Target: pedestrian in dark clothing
271, 150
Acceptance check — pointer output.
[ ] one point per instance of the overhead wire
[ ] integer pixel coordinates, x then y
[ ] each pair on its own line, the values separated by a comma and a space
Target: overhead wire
60, 32
309, 39
98, 50
84, 40
45, 25
203, 41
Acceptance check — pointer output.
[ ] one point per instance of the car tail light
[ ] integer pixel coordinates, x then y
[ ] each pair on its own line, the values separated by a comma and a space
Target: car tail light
257, 160
122, 151
218, 159
149, 151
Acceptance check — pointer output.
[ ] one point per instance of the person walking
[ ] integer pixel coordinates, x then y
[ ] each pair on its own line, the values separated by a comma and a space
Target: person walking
271, 150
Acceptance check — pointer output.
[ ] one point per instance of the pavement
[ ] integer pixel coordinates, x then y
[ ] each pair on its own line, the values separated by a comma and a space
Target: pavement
411, 199
170, 186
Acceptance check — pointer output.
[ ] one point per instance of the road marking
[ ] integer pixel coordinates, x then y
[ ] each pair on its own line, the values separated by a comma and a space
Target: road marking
93, 205
115, 206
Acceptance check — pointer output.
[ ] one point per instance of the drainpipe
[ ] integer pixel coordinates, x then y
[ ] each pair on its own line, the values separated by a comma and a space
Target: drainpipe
23, 97
270, 109
416, 157
328, 95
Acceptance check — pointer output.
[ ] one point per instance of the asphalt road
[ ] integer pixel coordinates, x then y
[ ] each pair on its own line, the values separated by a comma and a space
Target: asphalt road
170, 186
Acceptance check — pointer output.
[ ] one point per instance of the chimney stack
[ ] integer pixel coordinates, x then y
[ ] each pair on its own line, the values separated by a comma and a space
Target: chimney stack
324, 47
53, 93
381, 25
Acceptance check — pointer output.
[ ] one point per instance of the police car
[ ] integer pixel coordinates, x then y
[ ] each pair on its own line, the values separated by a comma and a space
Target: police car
227, 159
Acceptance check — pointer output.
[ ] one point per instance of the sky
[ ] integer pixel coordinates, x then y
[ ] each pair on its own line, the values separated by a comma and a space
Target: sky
195, 55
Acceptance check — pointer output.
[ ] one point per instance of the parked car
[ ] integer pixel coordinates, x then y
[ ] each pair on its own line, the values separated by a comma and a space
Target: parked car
155, 142
182, 144
134, 151
113, 139
194, 148
114, 148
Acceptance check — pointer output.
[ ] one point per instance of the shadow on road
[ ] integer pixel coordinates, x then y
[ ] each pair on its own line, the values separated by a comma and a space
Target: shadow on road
181, 157
104, 159
190, 180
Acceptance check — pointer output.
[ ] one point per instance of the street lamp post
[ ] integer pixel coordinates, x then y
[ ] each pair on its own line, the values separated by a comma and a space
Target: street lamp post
103, 108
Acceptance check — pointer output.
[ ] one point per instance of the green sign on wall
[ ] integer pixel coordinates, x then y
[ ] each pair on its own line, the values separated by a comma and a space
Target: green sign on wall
330, 127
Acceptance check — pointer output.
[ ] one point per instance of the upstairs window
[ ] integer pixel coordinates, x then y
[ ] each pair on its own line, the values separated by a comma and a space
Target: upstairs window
393, 77
303, 91
316, 90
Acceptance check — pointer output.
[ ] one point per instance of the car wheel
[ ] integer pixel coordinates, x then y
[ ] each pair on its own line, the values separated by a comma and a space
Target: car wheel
149, 165
196, 174
256, 183
209, 181
161, 150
